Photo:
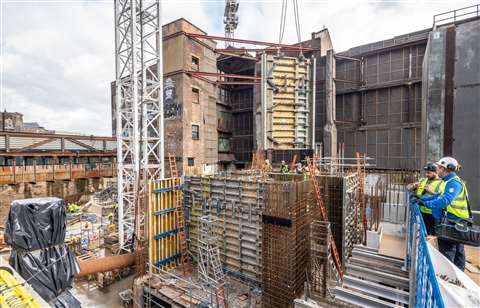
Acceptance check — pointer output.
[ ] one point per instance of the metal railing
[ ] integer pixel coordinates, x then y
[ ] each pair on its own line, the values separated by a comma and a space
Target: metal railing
453, 16
424, 288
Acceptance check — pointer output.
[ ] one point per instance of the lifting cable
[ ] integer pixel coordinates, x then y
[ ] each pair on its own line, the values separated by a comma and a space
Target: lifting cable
283, 18
297, 19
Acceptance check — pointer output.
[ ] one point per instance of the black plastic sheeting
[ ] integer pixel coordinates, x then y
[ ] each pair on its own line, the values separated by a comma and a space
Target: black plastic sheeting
49, 271
66, 300
35, 230
36, 223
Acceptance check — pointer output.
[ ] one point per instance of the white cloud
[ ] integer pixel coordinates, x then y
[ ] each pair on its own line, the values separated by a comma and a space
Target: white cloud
59, 56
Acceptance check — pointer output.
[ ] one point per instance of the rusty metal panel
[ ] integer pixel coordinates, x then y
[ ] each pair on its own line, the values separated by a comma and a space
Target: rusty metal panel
287, 102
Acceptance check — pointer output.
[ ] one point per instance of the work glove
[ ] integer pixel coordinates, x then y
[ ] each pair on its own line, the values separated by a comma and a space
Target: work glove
413, 198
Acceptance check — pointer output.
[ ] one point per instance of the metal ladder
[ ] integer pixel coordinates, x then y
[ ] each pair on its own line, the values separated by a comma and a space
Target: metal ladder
173, 166
210, 267
323, 212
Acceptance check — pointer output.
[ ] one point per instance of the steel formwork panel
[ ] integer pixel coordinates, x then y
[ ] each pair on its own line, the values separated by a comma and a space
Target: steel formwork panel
237, 206
287, 95
384, 94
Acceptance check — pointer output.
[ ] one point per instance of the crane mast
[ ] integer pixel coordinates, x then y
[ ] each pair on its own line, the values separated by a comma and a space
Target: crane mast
230, 19
139, 110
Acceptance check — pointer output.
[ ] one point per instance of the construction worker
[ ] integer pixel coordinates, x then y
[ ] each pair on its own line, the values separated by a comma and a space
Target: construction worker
306, 173
428, 186
299, 168
284, 168
452, 203
268, 166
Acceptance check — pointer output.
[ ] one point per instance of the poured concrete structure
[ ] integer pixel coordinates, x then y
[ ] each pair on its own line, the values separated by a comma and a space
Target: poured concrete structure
451, 108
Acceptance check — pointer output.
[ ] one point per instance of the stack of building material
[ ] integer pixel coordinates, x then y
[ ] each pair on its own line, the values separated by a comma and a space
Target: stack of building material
35, 230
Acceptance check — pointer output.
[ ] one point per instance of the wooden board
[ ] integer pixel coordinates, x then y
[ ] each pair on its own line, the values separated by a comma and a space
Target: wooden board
392, 246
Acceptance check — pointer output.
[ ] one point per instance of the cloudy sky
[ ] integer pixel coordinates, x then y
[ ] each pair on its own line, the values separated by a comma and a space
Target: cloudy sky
57, 57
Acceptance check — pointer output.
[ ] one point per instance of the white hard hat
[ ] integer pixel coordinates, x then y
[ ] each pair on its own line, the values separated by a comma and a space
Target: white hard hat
448, 162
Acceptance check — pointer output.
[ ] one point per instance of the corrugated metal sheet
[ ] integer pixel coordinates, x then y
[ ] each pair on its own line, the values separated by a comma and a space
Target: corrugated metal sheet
111, 145
55, 144
71, 146
21, 142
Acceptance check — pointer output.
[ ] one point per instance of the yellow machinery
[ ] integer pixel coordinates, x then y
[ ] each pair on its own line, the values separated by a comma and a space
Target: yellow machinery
12, 293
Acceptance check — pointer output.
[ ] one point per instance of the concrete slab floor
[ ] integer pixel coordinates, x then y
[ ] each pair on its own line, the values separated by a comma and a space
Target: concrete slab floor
105, 298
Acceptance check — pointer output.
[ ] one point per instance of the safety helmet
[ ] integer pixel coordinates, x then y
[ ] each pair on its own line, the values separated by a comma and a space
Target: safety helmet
430, 167
448, 162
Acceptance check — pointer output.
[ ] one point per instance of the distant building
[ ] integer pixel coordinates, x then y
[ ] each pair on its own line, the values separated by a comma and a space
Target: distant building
23, 143
33, 127
13, 121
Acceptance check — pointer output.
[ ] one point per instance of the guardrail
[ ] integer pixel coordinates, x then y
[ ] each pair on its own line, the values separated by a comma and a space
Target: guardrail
453, 16
424, 288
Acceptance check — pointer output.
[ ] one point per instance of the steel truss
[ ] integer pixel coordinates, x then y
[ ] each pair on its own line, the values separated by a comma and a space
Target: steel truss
139, 109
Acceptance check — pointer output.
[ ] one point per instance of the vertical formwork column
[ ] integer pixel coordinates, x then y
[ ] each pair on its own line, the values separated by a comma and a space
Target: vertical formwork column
330, 130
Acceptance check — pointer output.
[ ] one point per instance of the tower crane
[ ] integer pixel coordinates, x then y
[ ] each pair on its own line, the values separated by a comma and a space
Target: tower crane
230, 19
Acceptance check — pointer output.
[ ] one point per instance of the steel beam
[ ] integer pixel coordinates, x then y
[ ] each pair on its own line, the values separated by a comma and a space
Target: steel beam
222, 75
361, 300
394, 294
251, 42
378, 276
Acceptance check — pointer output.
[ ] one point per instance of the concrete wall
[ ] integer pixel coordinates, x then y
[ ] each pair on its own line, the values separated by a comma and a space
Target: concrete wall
466, 113
451, 86
433, 96
184, 107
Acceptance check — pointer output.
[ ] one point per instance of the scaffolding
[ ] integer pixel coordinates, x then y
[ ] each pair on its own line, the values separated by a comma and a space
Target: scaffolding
210, 269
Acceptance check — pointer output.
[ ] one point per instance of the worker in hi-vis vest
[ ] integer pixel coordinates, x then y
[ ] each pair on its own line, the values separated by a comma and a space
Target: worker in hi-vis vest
284, 168
426, 187
451, 202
